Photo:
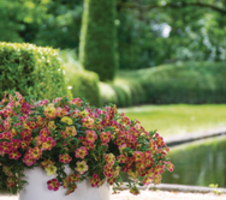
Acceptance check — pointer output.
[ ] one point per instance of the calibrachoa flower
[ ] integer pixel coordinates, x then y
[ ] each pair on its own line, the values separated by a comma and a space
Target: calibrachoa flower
51, 170
82, 167
108, 171
7, 170
67, 181
65, 158
71, 131
81, 152
74, 177
50, 112
11, 181
15, 144
110, 159
35, 153
53, 184
94, 180
45, 163
95, 144
91, 136
14, 155
87, 122
44, 133
105, 137
48, 143
71, 189
67, 120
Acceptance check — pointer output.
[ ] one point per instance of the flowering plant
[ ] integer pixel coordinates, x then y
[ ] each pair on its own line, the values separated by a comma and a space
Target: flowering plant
95, 143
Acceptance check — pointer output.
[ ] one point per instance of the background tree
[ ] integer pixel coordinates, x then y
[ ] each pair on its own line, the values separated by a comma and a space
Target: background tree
197, 28
196, 31
98, 38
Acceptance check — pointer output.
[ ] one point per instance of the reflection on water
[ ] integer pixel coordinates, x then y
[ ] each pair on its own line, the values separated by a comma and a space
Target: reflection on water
199, 163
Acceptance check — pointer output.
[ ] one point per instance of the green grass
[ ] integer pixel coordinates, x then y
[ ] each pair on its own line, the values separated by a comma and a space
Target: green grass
178, 119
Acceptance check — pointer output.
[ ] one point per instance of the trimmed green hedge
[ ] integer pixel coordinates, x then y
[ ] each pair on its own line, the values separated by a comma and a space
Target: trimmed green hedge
122, 92
84, 84
98, 38
31, 70
192, 83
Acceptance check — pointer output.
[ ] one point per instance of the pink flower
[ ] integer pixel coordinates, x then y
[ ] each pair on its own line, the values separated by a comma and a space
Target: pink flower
32, 124
105, 137
25, 108
35, 153
65, 158
94, 180
44, 133
87, 122
53, 184
48, 143
76, 101
81, 152
15, 144
14, 155
91, 136
110, 159
169, 166
108, 171
5, 147
28, 161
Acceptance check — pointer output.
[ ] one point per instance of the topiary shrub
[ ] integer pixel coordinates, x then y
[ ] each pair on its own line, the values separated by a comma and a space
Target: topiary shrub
98, 38
31, 70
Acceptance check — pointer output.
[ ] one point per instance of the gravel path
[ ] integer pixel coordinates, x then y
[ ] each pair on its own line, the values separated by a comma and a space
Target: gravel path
153, 195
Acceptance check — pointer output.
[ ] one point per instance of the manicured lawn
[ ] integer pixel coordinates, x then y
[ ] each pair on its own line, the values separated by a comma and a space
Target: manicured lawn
179, 118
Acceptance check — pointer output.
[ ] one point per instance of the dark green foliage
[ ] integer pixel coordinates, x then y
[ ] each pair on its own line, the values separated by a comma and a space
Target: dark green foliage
98, 38
61, 28
84, 85
44, 23
31, 70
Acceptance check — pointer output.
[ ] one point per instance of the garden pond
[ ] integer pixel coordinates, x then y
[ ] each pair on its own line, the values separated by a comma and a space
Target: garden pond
199, 163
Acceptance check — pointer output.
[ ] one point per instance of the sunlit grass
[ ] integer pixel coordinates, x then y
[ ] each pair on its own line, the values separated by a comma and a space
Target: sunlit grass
178, 119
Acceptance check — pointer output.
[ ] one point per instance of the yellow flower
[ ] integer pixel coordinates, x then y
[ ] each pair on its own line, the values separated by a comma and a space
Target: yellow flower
70, 130
82, 167
84, 113
45, 163
52, 125
67, 120
50, 112
51, 170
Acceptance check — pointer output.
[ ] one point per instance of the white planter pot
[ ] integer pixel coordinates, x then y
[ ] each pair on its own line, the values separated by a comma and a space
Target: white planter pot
36, 189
